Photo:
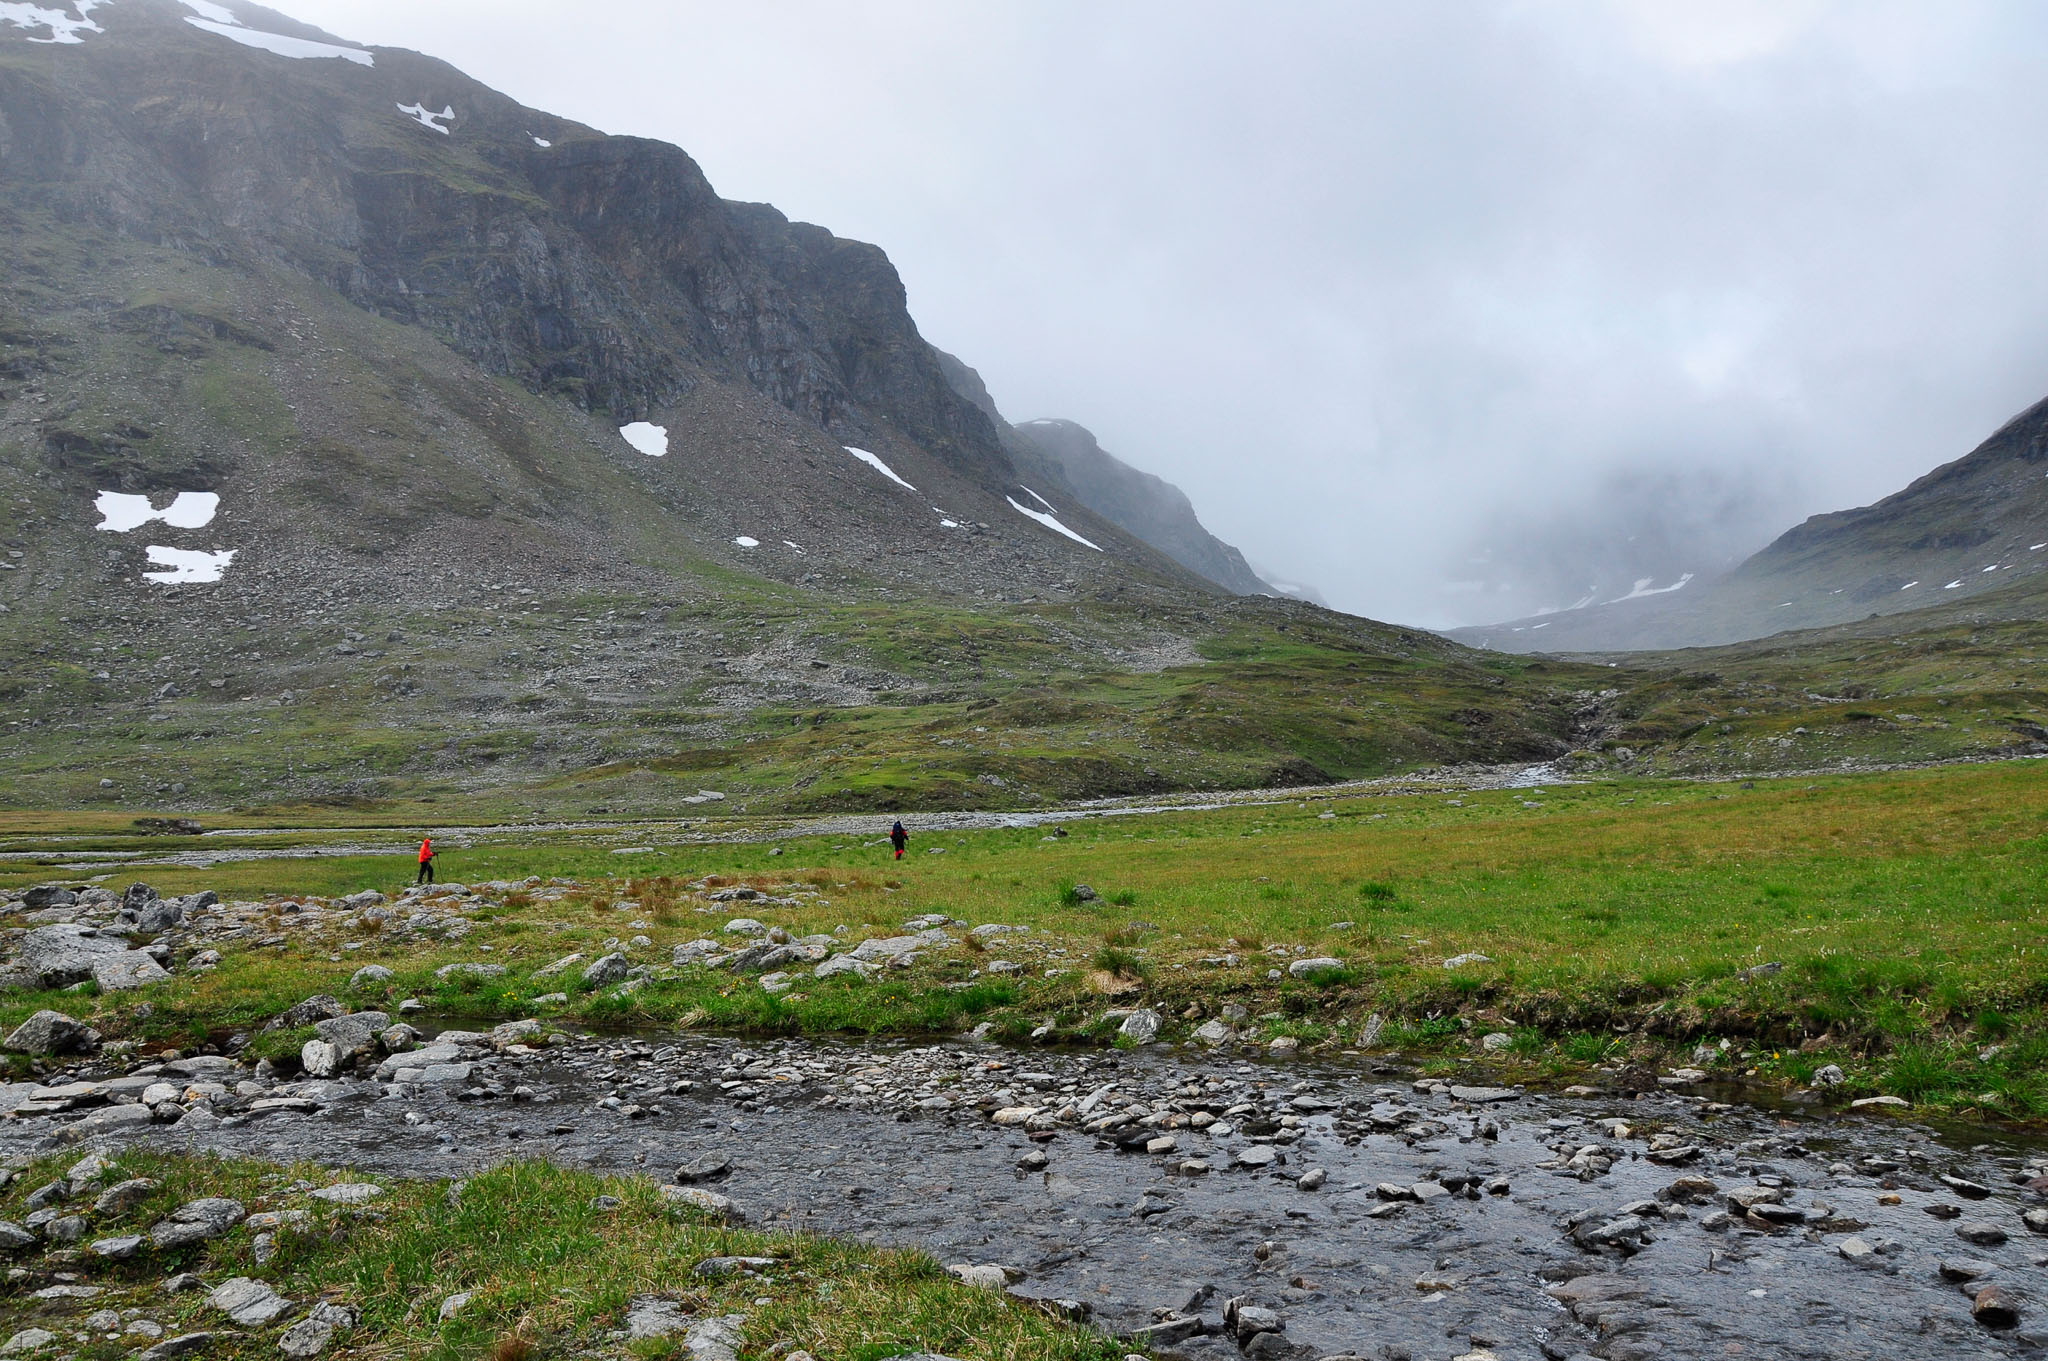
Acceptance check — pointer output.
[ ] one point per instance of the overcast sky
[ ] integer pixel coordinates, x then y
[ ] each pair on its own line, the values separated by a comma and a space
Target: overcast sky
1451, 310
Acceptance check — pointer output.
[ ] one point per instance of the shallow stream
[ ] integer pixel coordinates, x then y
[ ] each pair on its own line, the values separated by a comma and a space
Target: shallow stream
894, 1143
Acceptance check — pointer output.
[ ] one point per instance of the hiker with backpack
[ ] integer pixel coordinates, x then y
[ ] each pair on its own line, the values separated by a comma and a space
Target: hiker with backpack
899, 839
426, 875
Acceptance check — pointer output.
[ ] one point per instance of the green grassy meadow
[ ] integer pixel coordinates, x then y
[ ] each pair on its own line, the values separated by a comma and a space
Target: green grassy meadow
1622, 921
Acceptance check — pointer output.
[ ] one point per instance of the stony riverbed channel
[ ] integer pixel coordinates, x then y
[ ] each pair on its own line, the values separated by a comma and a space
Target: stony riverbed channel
1206, 1200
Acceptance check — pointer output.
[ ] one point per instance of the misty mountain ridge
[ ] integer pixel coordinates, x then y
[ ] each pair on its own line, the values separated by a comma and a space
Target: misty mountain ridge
1972, 530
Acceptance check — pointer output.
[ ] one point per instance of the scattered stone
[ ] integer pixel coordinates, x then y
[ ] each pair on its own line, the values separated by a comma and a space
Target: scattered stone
1313, 1179
118, 1249
1982, 1232
370, 976
1460, 961
455, 1304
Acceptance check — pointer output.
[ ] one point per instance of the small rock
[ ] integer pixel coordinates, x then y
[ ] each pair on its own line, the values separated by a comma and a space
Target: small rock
197, 1222
455, 1304
1982, 1232
349, 1193
312, 1334
1304, 968
1313, 1179
188, 1344
1995, 1309
706, 1202
1141, 1026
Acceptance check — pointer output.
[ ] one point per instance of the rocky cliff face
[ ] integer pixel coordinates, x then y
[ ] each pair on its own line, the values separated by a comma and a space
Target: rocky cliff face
267, 203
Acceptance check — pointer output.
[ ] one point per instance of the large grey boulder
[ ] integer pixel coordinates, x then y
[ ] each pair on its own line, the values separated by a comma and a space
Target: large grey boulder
62, 954
606, 971
309, 1012
355, 1035
126, 971
839, 965
251, 1303
52, 1032
46, 896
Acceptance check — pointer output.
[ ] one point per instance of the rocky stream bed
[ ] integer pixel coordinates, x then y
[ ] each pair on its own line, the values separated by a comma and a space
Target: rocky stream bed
1211, 1203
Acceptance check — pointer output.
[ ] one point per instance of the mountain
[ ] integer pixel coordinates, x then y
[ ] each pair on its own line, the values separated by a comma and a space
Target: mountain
1065, 455
367, 436
1972, 532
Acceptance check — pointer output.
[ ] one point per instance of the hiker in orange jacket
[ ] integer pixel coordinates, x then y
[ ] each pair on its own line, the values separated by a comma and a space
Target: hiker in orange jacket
426, 862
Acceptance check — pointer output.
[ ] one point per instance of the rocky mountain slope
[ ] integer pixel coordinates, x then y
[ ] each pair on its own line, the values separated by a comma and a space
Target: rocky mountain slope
1065, 455
1974, 531
365, 433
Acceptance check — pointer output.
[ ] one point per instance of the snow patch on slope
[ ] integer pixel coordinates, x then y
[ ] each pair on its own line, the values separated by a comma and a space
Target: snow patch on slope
206, 9
1048, 520
183, 566
120, 513
64, 28
1644, 588
299, 49
745, 542
419, 113
651, 440
879, 466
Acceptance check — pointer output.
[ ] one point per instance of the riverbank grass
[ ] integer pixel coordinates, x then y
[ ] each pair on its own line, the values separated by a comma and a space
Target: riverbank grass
551, 1261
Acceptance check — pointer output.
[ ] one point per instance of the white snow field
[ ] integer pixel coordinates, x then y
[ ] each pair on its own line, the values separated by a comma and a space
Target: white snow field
183, 566
121, 512
63, 27
420, 114
651, 440
1049, 521
219, 21
879, 466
